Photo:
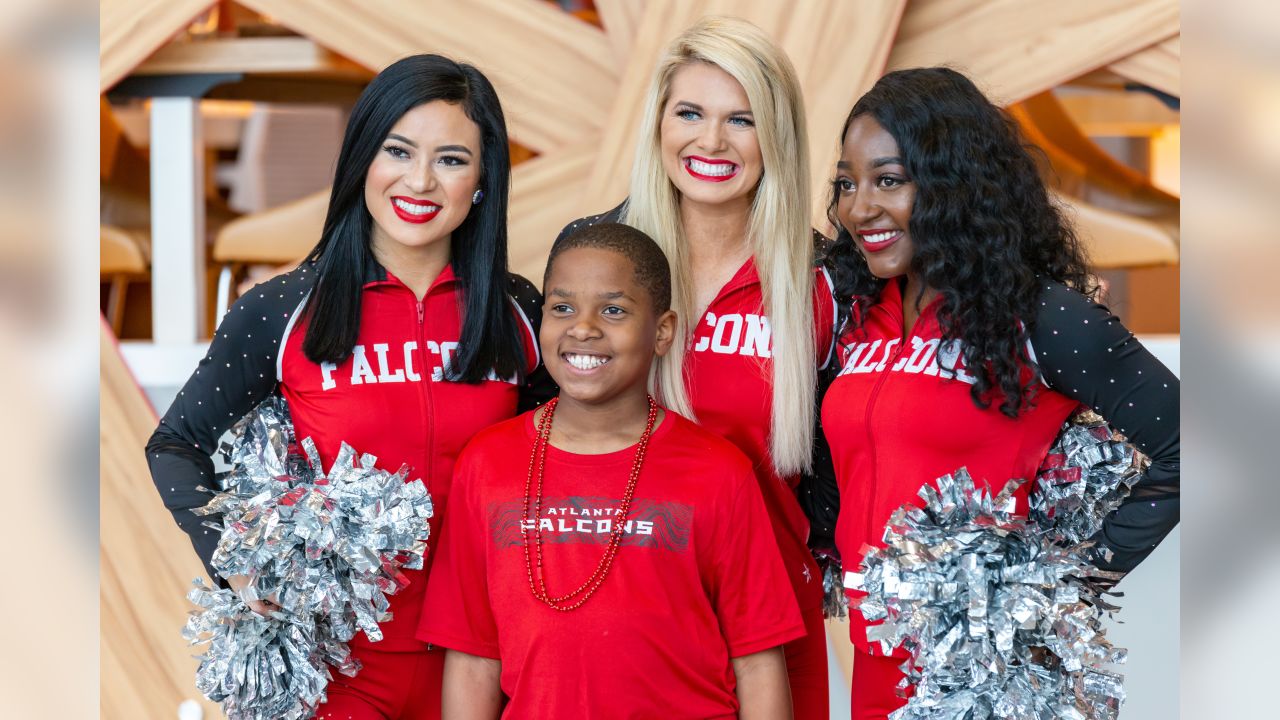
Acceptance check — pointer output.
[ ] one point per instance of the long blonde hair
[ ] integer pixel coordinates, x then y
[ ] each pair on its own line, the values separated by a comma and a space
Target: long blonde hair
778, 230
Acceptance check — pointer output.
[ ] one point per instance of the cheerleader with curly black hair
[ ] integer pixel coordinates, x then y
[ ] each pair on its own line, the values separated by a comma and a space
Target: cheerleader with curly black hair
970, 332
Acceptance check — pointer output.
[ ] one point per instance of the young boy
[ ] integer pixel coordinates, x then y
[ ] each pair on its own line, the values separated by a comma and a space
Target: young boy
601, 557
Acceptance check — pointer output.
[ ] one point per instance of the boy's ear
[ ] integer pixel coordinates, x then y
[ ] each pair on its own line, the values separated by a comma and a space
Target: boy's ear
666, 332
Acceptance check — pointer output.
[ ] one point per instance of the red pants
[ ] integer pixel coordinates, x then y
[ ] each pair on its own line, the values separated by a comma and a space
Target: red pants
873, 693
807, 669
390, 686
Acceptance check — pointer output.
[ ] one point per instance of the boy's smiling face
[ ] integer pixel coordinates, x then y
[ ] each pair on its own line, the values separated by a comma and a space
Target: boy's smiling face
600, 330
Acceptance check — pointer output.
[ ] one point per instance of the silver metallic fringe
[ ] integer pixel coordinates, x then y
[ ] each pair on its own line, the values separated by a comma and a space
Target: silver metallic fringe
1002, 614
327, 548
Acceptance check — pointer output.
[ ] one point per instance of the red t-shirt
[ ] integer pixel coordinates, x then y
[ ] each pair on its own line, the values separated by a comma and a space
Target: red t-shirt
729, 376
389, 399
696, 581
900, 415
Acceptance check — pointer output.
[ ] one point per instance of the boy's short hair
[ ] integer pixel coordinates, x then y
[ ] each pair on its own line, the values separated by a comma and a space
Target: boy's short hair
651, 268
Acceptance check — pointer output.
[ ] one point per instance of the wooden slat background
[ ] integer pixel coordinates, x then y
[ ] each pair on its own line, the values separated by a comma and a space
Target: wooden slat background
146, 565
621, 20
1015, 49
1159, 66
555, 74
130, 30
574, 93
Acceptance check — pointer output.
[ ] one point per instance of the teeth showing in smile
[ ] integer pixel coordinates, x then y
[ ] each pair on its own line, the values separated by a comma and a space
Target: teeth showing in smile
880, 236
586, 362
712, 169
416, 209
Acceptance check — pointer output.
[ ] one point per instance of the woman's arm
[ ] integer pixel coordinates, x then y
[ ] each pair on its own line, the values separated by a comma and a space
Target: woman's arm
763, 690
238, 372
471, 687
1085, 353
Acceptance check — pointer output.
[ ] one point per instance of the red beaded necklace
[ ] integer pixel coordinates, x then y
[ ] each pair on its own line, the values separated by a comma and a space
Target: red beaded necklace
538, 460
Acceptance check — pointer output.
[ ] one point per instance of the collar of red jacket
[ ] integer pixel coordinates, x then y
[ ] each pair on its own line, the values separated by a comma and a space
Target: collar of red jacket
376, 275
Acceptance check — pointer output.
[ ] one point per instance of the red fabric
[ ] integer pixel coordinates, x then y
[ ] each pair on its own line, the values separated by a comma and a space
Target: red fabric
400, 685
873, 693
397, 412
696, 582
895, 421
807, 672
729, 376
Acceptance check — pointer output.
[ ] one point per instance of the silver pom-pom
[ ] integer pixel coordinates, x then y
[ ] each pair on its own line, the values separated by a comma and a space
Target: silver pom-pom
1001, 614
835, 606
260, 667
326, 548
1085, 475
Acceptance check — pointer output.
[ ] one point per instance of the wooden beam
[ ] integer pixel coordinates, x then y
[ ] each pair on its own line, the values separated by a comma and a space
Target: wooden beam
130, 30
545, 196
251, 55
621, 20
1119, 240
287, 88
1159, 66
1165, 160
146, 564
555, 74
1048, 125
838, 49
1126, 114
1015, 49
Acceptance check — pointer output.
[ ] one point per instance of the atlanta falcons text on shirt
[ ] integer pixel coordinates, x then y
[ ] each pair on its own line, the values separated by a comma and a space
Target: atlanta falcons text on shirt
591, 520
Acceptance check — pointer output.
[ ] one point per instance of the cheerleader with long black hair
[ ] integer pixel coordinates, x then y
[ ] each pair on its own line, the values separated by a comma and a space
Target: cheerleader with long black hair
402, 334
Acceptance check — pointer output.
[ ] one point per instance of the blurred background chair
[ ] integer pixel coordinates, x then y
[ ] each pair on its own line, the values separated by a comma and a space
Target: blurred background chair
286, 152
274, 238
123, 258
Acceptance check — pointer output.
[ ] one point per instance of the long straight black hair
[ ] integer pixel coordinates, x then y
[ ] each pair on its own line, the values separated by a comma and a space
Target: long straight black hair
478, 248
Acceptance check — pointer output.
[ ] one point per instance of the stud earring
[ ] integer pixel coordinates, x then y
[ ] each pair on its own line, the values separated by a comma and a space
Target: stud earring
477, 197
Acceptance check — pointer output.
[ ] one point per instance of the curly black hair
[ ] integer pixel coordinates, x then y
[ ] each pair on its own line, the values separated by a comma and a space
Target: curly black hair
983, 226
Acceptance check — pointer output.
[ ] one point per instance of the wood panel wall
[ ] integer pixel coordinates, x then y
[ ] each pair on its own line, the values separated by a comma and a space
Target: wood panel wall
573, 92
130, 30
146, 564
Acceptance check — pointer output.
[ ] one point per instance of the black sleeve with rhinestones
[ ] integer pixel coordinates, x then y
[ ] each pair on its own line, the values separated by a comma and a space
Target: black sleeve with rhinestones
1086, 354
238, 372
538, 386
611, 216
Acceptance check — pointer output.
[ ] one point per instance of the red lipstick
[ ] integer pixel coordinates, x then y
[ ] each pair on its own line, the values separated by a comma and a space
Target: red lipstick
412, 210
711, 170
884, 237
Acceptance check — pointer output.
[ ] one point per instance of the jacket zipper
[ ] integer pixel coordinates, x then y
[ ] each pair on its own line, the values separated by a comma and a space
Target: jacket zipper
424, 394
428, 410
866, 422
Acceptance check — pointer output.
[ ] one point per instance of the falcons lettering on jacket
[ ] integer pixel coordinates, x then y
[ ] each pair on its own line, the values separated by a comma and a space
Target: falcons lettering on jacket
388, 364
926, 357
735, 334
